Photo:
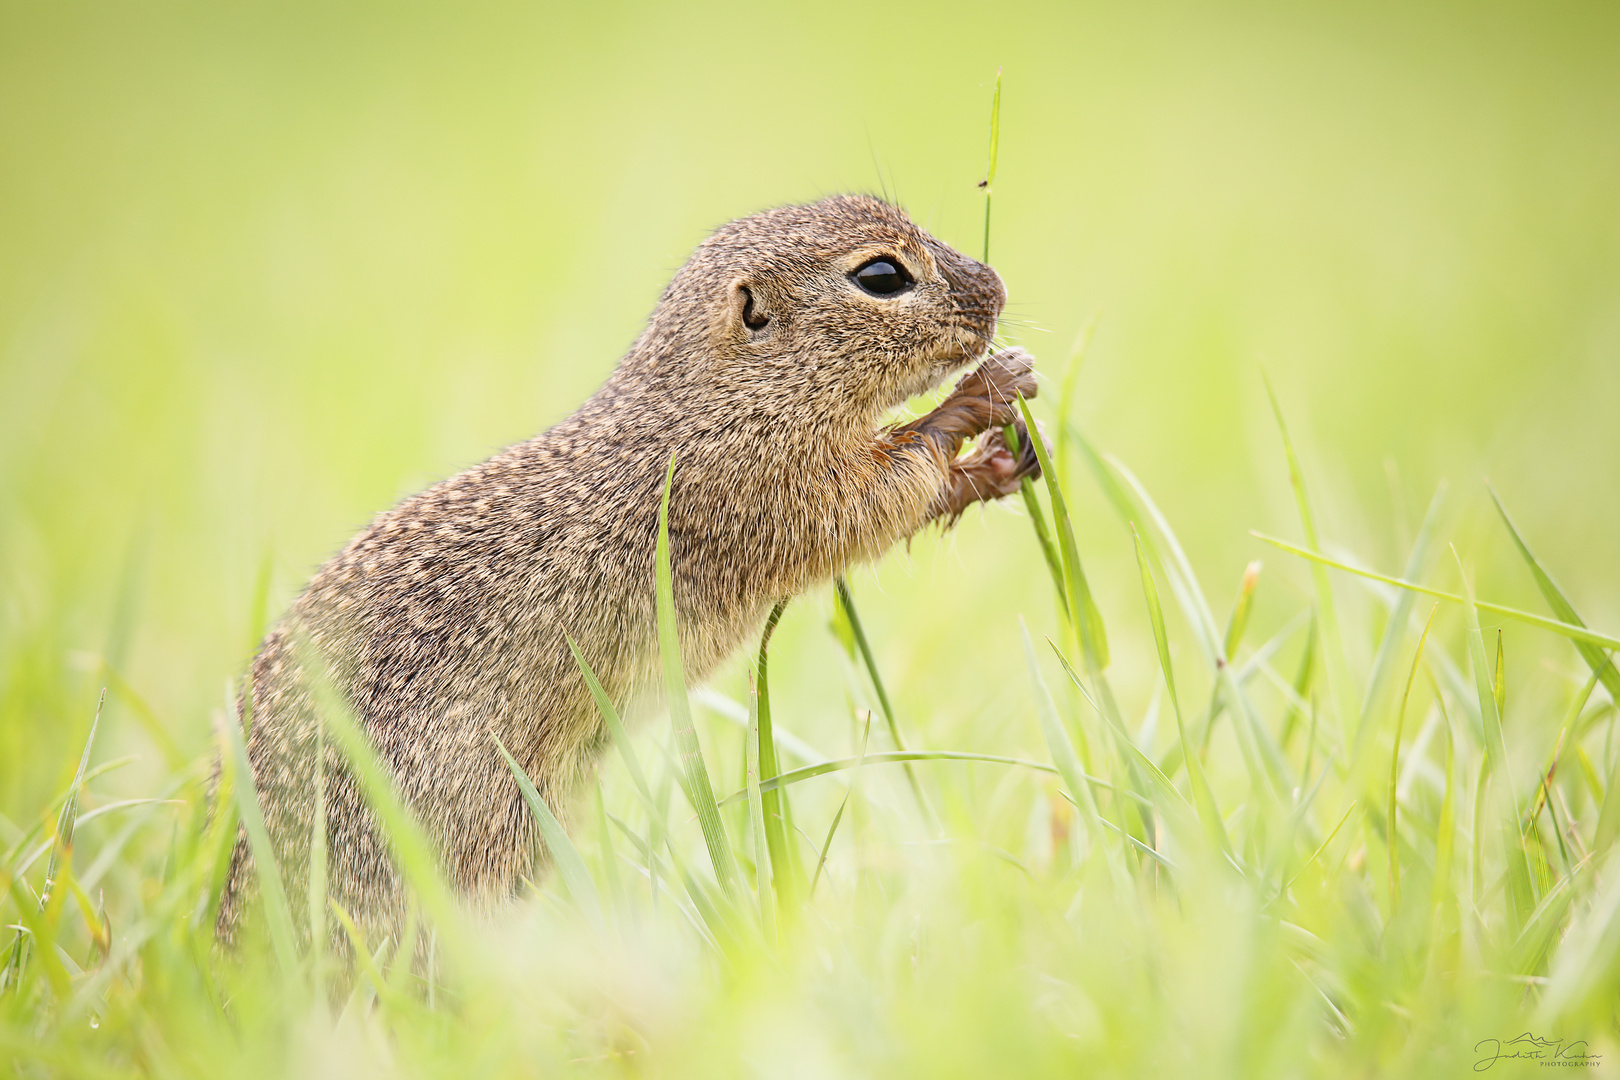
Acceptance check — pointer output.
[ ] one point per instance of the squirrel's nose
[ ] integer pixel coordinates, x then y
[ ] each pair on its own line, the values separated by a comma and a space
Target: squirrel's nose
998, 288
975, 285
980, 289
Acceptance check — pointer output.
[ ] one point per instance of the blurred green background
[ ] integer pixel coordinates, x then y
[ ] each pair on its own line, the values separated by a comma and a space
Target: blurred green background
266, 268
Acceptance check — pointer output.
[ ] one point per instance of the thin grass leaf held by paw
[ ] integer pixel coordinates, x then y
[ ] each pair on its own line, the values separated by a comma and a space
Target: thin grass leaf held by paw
1087, 619
1037, 520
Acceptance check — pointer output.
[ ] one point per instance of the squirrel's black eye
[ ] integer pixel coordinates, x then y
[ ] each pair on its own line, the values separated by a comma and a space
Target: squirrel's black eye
882, 277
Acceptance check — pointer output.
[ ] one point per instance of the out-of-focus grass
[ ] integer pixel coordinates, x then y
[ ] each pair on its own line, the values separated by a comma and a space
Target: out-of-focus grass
262, 270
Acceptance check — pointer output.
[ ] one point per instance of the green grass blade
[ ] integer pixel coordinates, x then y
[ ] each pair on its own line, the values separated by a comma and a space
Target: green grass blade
364, 956
9, 863
316, 900
1144, 773
1583, 972
400, 970
607, 856
1066, 392
610, 717
1298, 702
1037, 519
1529, 950
1177, 569
415, 854
1156, 617
219, 836
1323, 846
990, 170
849, 791
773, 805
1239, 620
1476, 869
864, 647
1067, 763
576, 877
1595, 658
1332, 642
1608, 826
690, 913
1156, 856
1609, 816
36, 918
1087, 619
1495, 741
1395, 769
1103, 704
1496, 759
1256, 739
61, 843
632, 764
714, 912
1446, 830
695, 773
277, 912
1400, 614
1569, 630
719, 912
756, 818
1499, 681
1203, 799
894, 757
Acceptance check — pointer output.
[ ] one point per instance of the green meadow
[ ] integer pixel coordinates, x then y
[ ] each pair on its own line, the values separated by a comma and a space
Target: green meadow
1272, 733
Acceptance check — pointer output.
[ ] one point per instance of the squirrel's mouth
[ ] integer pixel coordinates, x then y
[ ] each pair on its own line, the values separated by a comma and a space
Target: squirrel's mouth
958, 348
959, 351
963, 348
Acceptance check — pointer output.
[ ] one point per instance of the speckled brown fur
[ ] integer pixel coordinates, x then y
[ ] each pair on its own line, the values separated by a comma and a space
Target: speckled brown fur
444, 620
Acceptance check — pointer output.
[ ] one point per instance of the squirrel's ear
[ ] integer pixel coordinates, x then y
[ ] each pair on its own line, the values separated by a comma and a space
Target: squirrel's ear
747, 306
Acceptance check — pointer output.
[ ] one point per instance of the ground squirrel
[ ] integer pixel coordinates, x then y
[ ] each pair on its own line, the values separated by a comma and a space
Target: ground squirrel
766, 367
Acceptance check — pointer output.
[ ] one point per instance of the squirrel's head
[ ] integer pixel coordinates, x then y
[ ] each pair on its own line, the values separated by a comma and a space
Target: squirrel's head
843, 304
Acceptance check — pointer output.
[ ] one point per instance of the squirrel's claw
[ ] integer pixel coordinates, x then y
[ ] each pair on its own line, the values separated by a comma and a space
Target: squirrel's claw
999, 382
990, 470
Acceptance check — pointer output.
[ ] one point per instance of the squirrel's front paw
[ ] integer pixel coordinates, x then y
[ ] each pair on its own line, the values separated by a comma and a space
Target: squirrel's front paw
998, 382
986, 398
990, 470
